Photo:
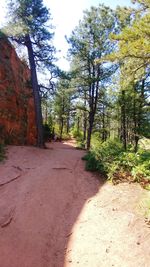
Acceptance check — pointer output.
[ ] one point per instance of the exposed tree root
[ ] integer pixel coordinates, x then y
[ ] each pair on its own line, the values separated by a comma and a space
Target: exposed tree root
13, 179
7, 219
6, 223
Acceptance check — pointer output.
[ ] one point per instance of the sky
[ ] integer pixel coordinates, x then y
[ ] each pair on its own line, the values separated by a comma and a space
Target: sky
66, 15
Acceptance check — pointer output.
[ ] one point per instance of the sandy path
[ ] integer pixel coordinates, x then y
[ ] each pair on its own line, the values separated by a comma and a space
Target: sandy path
55, 214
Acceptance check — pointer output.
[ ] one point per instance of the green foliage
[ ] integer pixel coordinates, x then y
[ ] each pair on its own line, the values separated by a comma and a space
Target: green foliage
91, 162
27, 17
102, 155
89, 41
110, 158
141, 170
81, 144
47, 131
95, 141
133, 40
76, 133
66, 136
50, 122
62, 105
110, 150
28, 26
2, 35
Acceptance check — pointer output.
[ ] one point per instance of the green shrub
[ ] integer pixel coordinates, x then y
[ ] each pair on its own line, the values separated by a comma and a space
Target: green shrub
66, 136
95, 141
110, 158
80, 144
105, 151
110, 150
77, 134
46, 132
91, 162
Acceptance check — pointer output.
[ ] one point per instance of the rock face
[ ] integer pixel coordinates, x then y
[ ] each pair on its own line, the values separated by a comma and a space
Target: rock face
17, 113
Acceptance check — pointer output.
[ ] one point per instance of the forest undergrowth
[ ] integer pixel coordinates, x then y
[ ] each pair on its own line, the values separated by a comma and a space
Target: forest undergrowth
119, 165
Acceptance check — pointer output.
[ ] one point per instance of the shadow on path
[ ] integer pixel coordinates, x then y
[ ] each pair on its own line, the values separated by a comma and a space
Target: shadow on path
78, 188
48, 199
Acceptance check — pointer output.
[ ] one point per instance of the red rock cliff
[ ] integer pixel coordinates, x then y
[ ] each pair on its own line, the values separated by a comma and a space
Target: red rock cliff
17, 114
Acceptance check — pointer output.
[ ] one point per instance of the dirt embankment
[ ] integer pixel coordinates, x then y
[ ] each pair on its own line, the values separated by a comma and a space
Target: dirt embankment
55, 214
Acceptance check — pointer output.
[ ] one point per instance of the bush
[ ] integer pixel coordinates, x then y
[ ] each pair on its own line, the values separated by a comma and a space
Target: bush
77, 134
110, 158
92, 163
80, 144
47, 132
102, 155
66, 136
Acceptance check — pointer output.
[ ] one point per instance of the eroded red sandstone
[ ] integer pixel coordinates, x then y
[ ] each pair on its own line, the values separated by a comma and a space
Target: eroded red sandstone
17, 113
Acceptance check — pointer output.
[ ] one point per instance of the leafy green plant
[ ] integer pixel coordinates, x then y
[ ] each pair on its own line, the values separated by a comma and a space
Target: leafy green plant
80, 144
110, 158
47, 132
77, 134
66, 136
91, 164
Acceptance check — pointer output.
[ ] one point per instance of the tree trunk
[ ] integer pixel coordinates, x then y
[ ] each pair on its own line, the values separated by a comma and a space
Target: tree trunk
68, 122
136, 138
62, 118
93, 98
35, 87
78, 126
123, 121
89, 133
108, 126
61, 127
103, 125
85, 119
46, 113
68, 115
84, 126
139, 115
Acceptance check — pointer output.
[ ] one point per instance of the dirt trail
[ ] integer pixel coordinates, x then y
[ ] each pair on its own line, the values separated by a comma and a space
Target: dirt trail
55, 214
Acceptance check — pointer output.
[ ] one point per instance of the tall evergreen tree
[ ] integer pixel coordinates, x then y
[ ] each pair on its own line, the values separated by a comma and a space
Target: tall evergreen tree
133, 55
63, 105
89, 41
28, 26
134, 39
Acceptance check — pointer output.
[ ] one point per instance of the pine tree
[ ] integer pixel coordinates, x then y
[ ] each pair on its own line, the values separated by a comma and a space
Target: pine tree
63, 105
88, 42
28, 27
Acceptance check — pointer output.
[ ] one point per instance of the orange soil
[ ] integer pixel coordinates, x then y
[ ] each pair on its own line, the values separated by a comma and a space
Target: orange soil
55, 214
